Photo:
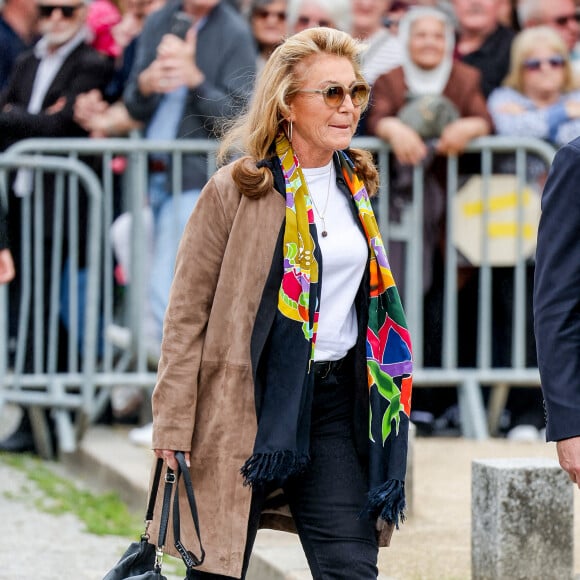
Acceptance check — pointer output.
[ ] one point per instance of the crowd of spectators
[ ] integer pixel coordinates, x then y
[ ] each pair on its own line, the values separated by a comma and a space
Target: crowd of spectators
178, 69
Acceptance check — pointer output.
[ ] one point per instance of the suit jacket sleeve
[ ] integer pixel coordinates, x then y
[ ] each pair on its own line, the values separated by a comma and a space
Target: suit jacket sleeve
557, 295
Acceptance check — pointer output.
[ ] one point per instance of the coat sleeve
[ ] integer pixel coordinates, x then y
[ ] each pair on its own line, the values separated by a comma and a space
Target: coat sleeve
197, 269
557, 295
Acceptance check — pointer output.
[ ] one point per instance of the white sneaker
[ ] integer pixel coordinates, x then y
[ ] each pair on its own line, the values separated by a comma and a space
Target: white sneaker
126, 400
120, 336
142, 435
527, 433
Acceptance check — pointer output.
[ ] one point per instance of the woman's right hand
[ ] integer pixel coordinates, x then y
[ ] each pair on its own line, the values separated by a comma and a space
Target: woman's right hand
168, 455
407, 145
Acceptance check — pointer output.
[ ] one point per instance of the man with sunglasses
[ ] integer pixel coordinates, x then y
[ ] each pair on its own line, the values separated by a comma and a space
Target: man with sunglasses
38, 102
561, 15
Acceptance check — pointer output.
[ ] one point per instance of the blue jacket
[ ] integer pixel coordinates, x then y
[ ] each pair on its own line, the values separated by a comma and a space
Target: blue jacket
225, 54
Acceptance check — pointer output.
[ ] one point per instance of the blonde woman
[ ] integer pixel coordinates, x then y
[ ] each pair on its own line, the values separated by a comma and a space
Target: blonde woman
286, 362
539, 97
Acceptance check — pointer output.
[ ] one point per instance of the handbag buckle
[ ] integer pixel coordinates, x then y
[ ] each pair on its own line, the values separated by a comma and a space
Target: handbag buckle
158, 558
170, 477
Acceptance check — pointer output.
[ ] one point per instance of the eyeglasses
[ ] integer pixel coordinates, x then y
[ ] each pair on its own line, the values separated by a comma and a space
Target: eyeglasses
307, 21
46, 10
565, 20
334, 95
535, 64
264, 14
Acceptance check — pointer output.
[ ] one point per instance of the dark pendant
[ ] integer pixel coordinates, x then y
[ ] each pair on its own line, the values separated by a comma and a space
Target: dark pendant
324, 233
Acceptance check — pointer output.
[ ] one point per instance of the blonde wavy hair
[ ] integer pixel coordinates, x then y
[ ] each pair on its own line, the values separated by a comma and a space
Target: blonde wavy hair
524, 44
254, 133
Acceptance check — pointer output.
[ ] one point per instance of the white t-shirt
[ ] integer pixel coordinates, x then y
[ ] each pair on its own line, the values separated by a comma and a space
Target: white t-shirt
344, 258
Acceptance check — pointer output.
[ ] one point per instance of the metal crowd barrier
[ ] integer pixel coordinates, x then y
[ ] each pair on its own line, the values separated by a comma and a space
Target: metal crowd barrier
41, 372
130, 363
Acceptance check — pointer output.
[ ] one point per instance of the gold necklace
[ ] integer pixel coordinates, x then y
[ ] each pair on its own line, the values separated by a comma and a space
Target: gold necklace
321, 216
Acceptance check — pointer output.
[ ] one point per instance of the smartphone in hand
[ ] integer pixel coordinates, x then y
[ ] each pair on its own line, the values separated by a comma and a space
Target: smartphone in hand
181, 22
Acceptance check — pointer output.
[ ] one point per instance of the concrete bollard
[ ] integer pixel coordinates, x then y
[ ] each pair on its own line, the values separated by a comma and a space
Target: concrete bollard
522, 520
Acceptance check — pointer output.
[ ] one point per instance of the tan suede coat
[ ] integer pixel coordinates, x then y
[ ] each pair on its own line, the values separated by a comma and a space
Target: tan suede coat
204, 397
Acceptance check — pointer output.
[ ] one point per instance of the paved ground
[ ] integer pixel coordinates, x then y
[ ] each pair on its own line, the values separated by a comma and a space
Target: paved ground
42, 546
47, 547
434, 544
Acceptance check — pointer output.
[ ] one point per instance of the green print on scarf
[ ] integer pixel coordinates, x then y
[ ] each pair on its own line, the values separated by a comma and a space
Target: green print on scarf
282, 452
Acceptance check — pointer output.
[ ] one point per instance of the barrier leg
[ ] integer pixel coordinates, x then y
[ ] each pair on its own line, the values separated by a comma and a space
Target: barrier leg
41, 432
65, 431
472, 410
497, 401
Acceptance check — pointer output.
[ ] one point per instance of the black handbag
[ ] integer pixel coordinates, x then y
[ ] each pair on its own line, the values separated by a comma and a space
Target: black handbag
142, 560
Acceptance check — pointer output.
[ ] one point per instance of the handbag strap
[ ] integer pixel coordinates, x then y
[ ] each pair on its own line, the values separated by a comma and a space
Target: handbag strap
154, 488
170, 480
190, 559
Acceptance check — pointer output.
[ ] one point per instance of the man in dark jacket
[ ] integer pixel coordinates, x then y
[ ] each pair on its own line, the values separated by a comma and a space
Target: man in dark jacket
194, 69
187, 87
39, 99
482, 41
557, 306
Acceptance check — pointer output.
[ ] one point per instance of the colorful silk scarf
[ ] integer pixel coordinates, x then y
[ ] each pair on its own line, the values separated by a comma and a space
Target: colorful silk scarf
281, 447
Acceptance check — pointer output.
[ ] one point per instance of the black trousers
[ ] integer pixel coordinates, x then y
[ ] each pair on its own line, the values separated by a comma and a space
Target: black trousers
327, 499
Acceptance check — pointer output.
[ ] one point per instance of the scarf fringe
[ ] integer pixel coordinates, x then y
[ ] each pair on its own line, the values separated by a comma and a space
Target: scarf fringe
387, 502
262, 468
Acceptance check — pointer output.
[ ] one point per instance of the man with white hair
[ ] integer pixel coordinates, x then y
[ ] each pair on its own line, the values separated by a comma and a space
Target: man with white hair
38, 101
561, 15
482, 41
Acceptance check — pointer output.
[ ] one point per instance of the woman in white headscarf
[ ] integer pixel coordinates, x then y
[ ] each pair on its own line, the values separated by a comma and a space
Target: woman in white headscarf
429, 107
430, 96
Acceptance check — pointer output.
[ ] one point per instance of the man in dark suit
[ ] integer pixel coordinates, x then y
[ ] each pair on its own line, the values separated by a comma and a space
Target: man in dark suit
40, 96
38, 102
557, 306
